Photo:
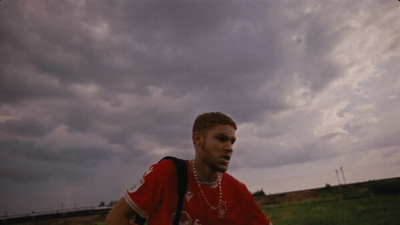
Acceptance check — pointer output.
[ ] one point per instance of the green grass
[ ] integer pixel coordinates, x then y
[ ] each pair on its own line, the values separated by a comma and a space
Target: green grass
381, 209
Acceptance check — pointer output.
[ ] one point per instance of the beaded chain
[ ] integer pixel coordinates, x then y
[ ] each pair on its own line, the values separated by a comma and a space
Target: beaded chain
201, 190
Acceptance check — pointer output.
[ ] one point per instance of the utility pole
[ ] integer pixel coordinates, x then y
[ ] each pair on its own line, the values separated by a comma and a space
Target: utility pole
337, 175
344, 179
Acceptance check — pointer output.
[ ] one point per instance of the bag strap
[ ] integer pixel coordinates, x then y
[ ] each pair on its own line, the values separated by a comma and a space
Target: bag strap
181, 172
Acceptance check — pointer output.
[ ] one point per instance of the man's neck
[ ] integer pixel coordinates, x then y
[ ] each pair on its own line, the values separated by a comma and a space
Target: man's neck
204, 173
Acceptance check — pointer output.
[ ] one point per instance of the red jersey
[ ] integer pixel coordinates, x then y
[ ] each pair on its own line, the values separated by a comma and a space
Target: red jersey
155, 197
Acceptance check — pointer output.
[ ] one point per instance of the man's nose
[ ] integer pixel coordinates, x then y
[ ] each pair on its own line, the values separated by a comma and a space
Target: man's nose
228, 147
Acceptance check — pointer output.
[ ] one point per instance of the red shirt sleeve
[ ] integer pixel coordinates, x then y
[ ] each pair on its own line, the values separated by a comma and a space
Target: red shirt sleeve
245, 208
257, 216
146, 194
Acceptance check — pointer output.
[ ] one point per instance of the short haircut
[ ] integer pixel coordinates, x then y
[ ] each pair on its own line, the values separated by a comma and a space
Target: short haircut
209, 120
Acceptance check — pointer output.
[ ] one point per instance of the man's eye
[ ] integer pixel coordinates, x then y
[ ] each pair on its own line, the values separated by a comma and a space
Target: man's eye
222, 139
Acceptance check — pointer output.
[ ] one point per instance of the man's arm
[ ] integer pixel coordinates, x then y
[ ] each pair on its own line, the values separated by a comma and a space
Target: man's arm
120, 214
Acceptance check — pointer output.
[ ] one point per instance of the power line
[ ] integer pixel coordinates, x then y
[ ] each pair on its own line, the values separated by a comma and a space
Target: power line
337, 175
344, 179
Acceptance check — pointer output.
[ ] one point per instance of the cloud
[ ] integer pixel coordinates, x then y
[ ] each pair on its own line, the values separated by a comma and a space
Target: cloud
93, 92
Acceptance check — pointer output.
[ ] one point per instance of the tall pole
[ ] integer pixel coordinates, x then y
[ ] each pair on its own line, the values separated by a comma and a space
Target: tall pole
344, 179
337, 175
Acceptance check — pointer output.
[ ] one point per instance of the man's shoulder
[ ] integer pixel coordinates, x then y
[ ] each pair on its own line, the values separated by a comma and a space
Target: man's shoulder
167, 162
161, 168
231, 178
166, 166
232, 181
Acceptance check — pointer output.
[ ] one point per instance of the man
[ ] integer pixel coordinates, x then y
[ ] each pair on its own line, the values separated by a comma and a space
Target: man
213, 196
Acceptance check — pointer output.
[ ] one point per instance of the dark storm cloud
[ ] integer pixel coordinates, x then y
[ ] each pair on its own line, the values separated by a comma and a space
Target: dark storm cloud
76, 153
26, 174
24, 127
165, 45
272, 154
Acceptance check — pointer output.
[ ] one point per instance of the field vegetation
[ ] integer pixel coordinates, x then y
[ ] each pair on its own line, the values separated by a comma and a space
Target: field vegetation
374, 202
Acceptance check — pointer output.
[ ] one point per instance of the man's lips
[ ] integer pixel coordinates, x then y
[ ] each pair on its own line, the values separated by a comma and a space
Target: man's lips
226, 159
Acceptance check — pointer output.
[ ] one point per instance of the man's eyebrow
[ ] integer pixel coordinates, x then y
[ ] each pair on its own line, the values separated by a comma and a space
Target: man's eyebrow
222, 134
233, 138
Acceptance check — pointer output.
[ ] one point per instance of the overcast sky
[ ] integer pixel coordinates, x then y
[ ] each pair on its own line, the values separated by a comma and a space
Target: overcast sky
94, 92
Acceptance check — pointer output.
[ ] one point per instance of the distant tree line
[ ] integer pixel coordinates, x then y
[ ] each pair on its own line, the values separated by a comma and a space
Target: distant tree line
259, 193
110, 204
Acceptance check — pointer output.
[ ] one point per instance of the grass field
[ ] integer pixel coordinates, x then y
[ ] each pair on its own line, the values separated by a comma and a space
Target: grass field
375, 210
374, 202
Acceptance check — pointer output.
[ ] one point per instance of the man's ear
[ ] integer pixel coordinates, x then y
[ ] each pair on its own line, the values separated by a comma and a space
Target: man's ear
196, 138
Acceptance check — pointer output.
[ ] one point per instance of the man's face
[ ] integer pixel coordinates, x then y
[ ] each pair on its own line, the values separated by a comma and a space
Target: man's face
217, 147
